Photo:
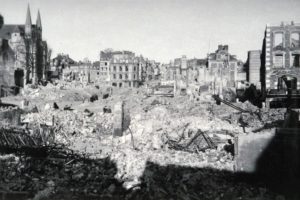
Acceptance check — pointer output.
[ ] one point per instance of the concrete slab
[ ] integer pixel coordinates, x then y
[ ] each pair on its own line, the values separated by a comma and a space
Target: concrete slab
248, 149
118, 119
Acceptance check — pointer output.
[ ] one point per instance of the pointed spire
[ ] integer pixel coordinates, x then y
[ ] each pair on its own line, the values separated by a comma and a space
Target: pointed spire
28, 17
28, 23
38, 20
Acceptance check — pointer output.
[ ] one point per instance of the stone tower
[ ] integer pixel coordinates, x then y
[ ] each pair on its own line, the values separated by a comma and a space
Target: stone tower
28, 24
39, 25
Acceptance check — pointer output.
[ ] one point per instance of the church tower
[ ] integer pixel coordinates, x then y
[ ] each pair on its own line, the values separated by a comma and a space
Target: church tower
39, 25
28, 24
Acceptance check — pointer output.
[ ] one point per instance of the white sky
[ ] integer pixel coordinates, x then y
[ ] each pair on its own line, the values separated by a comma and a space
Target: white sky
158, 29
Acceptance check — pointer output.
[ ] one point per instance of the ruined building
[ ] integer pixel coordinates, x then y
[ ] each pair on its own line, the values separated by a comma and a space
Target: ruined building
119, 68
278, 63
23, 54
124, 68
222, 65
183, 69
281, 51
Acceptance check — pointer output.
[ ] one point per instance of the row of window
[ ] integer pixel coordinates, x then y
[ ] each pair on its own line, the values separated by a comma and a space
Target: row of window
278, 40
279, 60
121, 76
103, 68
123, 67
102, 73
215, 65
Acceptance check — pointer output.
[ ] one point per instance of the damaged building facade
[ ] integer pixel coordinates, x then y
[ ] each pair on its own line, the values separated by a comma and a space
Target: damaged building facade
281, 51
222, 65
277, 64
191, 70
125, 69
23, 56
219, 69
119, 68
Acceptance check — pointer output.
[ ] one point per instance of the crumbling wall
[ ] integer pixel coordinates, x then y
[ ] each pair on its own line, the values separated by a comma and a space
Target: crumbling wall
6, 64
10, 116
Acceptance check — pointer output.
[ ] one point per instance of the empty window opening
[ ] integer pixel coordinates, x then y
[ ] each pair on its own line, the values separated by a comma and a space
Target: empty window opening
287, 82
278, 60
295, 38
278, 40
296, 60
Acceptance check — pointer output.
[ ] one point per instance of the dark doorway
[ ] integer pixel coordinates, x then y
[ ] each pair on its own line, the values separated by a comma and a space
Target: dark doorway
19, 78
296, 60
287, 82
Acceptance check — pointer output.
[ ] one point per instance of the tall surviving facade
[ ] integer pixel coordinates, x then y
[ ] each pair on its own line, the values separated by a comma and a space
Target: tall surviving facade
125, 69
223, 65
24, 53
253, 67
119, 68
281, 56
277, 65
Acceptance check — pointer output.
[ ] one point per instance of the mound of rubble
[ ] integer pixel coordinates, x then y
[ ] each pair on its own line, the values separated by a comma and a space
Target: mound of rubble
171, 148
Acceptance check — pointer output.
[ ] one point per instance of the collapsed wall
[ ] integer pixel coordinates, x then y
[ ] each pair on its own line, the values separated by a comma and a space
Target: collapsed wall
10, 114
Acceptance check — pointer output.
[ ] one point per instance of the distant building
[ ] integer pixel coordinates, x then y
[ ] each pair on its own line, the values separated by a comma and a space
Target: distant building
186, 70
119, 68
125, 69
222, 65
62, 63
197, 69
254, 67
23, 55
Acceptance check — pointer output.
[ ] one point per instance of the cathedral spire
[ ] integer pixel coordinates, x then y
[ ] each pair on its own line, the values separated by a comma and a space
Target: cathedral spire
39, 21
28, 23
28, 17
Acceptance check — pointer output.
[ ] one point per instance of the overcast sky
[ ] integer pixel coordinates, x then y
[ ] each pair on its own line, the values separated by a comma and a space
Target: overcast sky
158, 29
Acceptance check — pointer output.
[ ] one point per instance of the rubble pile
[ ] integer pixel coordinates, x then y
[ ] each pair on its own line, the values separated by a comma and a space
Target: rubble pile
176, 182
158, 126
64, 172
171, 148
254, 119
71, 124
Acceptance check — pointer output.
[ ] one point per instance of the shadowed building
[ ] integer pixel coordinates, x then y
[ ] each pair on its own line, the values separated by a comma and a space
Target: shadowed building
23, 52
279, 64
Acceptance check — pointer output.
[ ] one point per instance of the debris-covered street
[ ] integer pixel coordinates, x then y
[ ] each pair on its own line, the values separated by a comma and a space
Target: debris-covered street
158, 100
171, 146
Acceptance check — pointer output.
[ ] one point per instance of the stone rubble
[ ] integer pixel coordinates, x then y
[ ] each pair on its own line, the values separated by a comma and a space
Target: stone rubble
142, 163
